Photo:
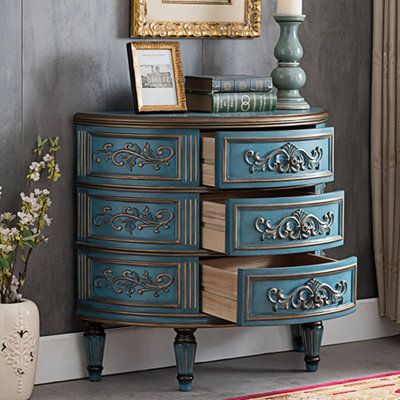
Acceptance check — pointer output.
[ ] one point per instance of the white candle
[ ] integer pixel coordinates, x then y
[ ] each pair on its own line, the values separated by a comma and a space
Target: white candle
289, 7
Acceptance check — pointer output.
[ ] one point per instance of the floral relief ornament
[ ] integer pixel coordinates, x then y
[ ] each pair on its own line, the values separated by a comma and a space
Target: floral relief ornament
19, 349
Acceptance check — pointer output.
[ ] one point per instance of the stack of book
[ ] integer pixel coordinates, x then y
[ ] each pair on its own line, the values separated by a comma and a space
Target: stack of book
235, 93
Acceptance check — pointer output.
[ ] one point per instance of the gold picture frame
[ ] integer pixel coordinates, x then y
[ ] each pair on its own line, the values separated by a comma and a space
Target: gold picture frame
144, 24
156, 76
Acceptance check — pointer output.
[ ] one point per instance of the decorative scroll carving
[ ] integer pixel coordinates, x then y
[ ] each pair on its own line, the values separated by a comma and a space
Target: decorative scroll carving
131, 218
313, 294
287, 159
130, 282
297, 226
132, 154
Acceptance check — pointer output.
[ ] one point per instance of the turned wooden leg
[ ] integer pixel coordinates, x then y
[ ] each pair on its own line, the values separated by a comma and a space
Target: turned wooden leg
297, 333
94, 340
185, 352
312, 338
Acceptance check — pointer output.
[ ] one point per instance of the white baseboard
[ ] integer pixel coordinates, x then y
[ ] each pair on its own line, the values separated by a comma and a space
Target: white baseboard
133, 349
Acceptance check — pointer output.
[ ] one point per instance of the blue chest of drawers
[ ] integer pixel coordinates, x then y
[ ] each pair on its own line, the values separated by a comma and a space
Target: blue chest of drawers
196, 220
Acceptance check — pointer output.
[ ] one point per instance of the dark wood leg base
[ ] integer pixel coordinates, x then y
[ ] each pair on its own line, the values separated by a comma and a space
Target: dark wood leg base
185, 352
312, 338
94, 340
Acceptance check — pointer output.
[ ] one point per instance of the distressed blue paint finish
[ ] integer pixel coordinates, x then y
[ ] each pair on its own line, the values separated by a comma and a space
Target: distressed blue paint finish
136, 229
134, 284
94, 342
137, 157
273, 296
312, 339
120, 315
271, 159
284, 225
138, 220
185, 352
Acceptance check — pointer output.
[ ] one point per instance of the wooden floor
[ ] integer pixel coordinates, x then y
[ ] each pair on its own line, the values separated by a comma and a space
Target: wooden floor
224, 379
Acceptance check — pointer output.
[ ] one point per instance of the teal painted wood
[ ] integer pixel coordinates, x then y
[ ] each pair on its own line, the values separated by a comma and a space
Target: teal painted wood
271, 159
137, 284
138, 220
284, 225
94, 342
136, 229
201, 115
312, 339
185, 352
137, 157
292, 295
120, 315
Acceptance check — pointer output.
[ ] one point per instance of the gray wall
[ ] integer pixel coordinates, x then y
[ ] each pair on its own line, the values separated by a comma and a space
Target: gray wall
59, 57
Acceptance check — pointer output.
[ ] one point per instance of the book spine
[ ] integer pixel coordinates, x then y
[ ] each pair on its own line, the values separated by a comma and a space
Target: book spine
242, 85
244, 102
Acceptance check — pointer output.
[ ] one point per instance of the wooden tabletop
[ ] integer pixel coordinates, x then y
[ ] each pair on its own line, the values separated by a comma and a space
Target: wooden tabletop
271, 119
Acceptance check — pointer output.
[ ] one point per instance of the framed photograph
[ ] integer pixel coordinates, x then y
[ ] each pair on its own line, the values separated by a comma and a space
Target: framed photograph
196, 18
156, 76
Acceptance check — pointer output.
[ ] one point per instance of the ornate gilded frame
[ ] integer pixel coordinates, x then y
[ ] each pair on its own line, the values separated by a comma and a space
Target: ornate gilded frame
141, 26
135, 75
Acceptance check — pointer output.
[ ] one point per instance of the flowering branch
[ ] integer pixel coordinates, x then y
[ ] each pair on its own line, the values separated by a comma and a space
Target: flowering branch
22, 231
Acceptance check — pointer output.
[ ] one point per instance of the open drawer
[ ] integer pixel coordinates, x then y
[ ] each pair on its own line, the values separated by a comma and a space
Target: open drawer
273, 225
267, 159
273, 290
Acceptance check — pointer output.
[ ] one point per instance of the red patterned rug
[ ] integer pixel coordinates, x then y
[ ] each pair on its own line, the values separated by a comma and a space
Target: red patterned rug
377, 387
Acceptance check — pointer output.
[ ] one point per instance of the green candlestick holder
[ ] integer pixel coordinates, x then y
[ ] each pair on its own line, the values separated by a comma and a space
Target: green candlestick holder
289, 77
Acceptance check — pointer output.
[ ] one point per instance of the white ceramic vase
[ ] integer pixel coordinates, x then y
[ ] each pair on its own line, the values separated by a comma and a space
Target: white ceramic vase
19, 340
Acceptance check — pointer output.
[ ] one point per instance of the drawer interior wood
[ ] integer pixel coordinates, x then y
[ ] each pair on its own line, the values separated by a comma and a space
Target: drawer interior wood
208, 160
219, 292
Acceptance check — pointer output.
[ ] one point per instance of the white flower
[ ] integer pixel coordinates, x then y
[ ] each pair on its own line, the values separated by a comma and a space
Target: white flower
4, 232
6, 248
25, 219
34, 176
14, 295
7, 217
47, 220
14, 231
48, 158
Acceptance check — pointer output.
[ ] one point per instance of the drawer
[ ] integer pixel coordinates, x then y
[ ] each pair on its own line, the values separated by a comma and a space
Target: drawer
276, 225
137, 157
273, 290
138, 283
267, 159
138, 220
